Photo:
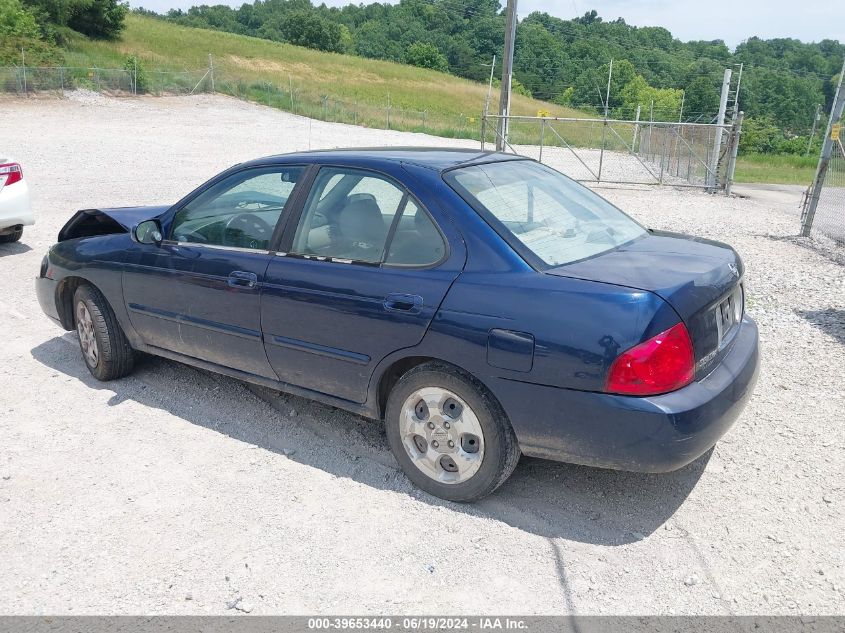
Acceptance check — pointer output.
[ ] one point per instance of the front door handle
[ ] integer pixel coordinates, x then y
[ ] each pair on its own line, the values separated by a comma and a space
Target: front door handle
398, 302
242, 279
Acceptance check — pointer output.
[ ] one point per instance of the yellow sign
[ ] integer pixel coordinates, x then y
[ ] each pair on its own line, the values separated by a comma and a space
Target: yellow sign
834, 131
543, 113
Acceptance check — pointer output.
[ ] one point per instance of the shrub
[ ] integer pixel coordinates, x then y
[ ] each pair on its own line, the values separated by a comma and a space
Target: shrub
136, 69
426, 55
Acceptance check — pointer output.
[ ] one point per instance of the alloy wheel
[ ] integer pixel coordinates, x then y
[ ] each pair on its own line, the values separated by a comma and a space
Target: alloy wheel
87, 338
442, 435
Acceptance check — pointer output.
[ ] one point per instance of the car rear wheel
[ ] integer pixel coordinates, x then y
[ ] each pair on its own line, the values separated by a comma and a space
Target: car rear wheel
106, 351
12, 236
448, 434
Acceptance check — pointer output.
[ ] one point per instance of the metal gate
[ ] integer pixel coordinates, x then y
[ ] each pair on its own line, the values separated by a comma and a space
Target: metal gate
619, 151
823, 211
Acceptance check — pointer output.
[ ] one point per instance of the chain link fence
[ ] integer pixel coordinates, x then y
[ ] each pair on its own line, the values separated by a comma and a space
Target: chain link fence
626, 152
289, 96
829, 211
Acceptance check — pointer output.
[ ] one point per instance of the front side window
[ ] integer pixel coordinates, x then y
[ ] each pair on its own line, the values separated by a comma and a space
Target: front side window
556, 219
360, 216
241, 211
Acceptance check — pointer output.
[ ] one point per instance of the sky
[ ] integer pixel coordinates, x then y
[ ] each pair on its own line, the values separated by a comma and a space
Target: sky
730, 20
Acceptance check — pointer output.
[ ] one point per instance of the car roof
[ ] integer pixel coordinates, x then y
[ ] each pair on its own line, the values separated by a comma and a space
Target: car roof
437, 158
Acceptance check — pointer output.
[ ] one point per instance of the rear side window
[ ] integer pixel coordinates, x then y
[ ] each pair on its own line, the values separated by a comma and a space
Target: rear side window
416, 240
359, 216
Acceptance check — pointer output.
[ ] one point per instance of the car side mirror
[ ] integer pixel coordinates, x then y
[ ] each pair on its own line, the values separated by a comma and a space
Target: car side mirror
148, 232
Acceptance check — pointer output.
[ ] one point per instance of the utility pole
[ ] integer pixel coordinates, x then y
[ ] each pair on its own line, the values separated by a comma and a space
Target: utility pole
824, 160
683, 98
211, 71
507, 74
712, 175
816, 118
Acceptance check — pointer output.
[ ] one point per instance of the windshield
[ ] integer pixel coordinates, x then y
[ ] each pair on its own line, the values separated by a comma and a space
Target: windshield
558, 220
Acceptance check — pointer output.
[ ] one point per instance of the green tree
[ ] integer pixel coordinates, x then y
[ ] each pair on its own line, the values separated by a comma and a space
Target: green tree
637, 92
426, 55
100, 18
19, 30
305, 28
701, 97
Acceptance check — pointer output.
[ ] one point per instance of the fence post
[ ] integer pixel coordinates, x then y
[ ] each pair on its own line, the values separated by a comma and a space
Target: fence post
290, 88
717, 141
812, 201
23, 65
542, 134
424, 118
636, 131
729, 175
651, 129
211, 71
135, 75
388, 110
62, 79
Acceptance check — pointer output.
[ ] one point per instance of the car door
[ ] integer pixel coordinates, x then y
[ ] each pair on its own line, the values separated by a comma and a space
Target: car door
364, 270
214, 263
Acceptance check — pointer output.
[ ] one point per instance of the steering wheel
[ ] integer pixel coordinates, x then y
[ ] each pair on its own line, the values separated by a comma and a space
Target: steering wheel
247, 230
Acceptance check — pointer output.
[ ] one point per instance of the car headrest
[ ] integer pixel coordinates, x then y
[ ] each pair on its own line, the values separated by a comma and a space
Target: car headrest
361, 220
423, 224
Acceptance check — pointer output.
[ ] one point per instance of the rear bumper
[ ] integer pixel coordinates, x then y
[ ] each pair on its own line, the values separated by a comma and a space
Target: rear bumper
15, 208
653, 434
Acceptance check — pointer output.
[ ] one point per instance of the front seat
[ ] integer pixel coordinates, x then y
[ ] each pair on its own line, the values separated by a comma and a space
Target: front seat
362, 229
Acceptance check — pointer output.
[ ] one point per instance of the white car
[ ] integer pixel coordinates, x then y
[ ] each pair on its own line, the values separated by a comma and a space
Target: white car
15, 208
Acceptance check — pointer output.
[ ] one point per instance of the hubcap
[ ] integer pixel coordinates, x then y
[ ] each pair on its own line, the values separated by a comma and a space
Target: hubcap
442, 435
85, 330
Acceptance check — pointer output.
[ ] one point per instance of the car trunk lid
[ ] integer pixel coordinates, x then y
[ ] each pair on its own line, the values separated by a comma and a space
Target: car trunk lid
699, 278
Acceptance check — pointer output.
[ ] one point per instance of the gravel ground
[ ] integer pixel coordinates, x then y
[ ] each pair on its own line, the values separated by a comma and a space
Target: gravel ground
179, 491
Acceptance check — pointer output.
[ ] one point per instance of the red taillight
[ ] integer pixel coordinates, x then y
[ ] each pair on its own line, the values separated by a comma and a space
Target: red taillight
10, 173
661, 364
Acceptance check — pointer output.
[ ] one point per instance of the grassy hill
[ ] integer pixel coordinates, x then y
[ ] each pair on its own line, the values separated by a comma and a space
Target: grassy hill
343, 87
358, 90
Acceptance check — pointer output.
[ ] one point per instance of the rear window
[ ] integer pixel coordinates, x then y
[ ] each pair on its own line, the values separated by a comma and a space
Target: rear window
537, 209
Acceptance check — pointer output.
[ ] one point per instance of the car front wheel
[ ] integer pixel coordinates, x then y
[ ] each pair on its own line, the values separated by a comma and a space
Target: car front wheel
106, 351
448, 434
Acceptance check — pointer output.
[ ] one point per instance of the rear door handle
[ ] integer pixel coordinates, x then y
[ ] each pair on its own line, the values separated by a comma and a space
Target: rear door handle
398, 302
242, 279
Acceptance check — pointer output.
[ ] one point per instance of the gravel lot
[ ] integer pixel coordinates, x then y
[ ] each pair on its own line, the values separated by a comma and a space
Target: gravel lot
179, 491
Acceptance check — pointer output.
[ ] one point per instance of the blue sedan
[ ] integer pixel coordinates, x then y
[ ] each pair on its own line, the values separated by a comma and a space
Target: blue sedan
482, 305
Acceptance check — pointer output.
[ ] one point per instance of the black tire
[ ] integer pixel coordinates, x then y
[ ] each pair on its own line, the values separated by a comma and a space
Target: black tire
115, 357
14, 236
501, 449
